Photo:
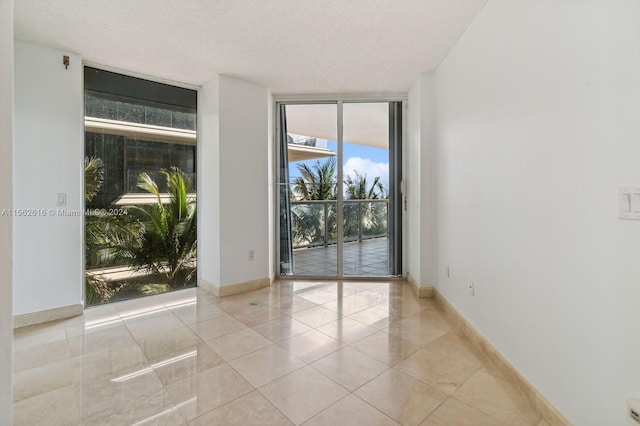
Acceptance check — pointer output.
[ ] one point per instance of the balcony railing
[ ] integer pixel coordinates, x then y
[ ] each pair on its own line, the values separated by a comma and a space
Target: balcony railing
314, 221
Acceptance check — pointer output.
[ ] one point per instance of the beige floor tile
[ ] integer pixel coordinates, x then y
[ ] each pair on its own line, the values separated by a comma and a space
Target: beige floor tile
457, 347
42, 379
248, 410
168, 417
347, 330
191, 361
150, 361
320, 296
124, 399
302, 394
40, 355
293, 305
436, 370
209, 389
36, 335
377, 317
55, 408
182, 296
253, 316
266, 365
94, 319
455, 413
243, 301
434, 318
281, 328
141, 308
79, 328
385, 347
196, 312
350, 411
108, 339
345, 306
235, 345
349, 368
113, 362
156, 325
372, 297
316, 317
497, 398
401, 397
311, 346
217, 327
161, 347
415, 331
402, 307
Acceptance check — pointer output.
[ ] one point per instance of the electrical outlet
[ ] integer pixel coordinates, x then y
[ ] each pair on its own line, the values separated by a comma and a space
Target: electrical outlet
447, 271
252, 255
472, 288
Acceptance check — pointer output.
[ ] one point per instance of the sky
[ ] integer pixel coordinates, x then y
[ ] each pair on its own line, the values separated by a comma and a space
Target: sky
366, 160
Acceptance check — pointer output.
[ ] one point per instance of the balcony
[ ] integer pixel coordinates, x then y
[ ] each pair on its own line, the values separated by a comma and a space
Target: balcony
366, 242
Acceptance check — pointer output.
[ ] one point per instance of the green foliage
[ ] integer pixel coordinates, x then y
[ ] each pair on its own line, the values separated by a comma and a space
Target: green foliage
168, 241
93, 177
97, 290
357, 189
317, 182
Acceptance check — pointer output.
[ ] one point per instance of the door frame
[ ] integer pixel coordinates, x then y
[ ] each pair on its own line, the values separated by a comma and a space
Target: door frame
339, 101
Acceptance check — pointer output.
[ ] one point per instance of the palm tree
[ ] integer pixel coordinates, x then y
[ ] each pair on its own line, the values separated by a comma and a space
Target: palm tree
168, 241
93, 176
356, 188
368, 218
317, 182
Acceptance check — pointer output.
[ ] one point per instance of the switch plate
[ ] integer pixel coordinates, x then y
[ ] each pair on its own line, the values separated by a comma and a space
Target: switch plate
447, 271
252, 255
472, 288
629, 202
61, 199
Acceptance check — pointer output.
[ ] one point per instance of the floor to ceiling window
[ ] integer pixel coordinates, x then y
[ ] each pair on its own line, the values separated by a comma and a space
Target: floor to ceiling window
339, 189
140, 180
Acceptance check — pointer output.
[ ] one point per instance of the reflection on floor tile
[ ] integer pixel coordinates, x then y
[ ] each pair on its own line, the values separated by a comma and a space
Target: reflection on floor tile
296, 352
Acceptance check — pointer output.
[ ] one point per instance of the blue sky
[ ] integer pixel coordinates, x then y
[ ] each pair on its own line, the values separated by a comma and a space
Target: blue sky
367, 160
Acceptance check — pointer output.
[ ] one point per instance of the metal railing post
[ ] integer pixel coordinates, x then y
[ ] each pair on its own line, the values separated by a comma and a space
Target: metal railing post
326, 224
359, 221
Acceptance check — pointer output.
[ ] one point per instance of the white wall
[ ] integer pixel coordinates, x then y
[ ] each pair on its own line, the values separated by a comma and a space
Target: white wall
6, 156
412, 173
48, 252
244, 187
538, 110
421, 185
235, 181
271, 244
209, 183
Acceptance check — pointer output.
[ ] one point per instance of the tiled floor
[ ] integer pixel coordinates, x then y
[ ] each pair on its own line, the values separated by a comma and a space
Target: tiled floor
296, 353
369, 258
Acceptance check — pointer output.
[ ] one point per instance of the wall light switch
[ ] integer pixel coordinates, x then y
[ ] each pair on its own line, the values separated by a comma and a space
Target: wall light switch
629, 202
61, 199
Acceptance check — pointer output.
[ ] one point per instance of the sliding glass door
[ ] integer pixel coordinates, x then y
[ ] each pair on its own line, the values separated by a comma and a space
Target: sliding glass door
339, 189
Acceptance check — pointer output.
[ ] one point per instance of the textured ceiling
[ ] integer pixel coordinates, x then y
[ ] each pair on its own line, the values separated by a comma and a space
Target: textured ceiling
292, 46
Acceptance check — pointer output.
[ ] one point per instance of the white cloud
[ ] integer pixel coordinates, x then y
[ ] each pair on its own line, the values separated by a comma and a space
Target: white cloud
365, 166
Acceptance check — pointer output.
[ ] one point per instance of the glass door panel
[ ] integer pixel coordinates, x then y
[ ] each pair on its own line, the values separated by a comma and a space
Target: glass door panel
366, 183
308, 188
